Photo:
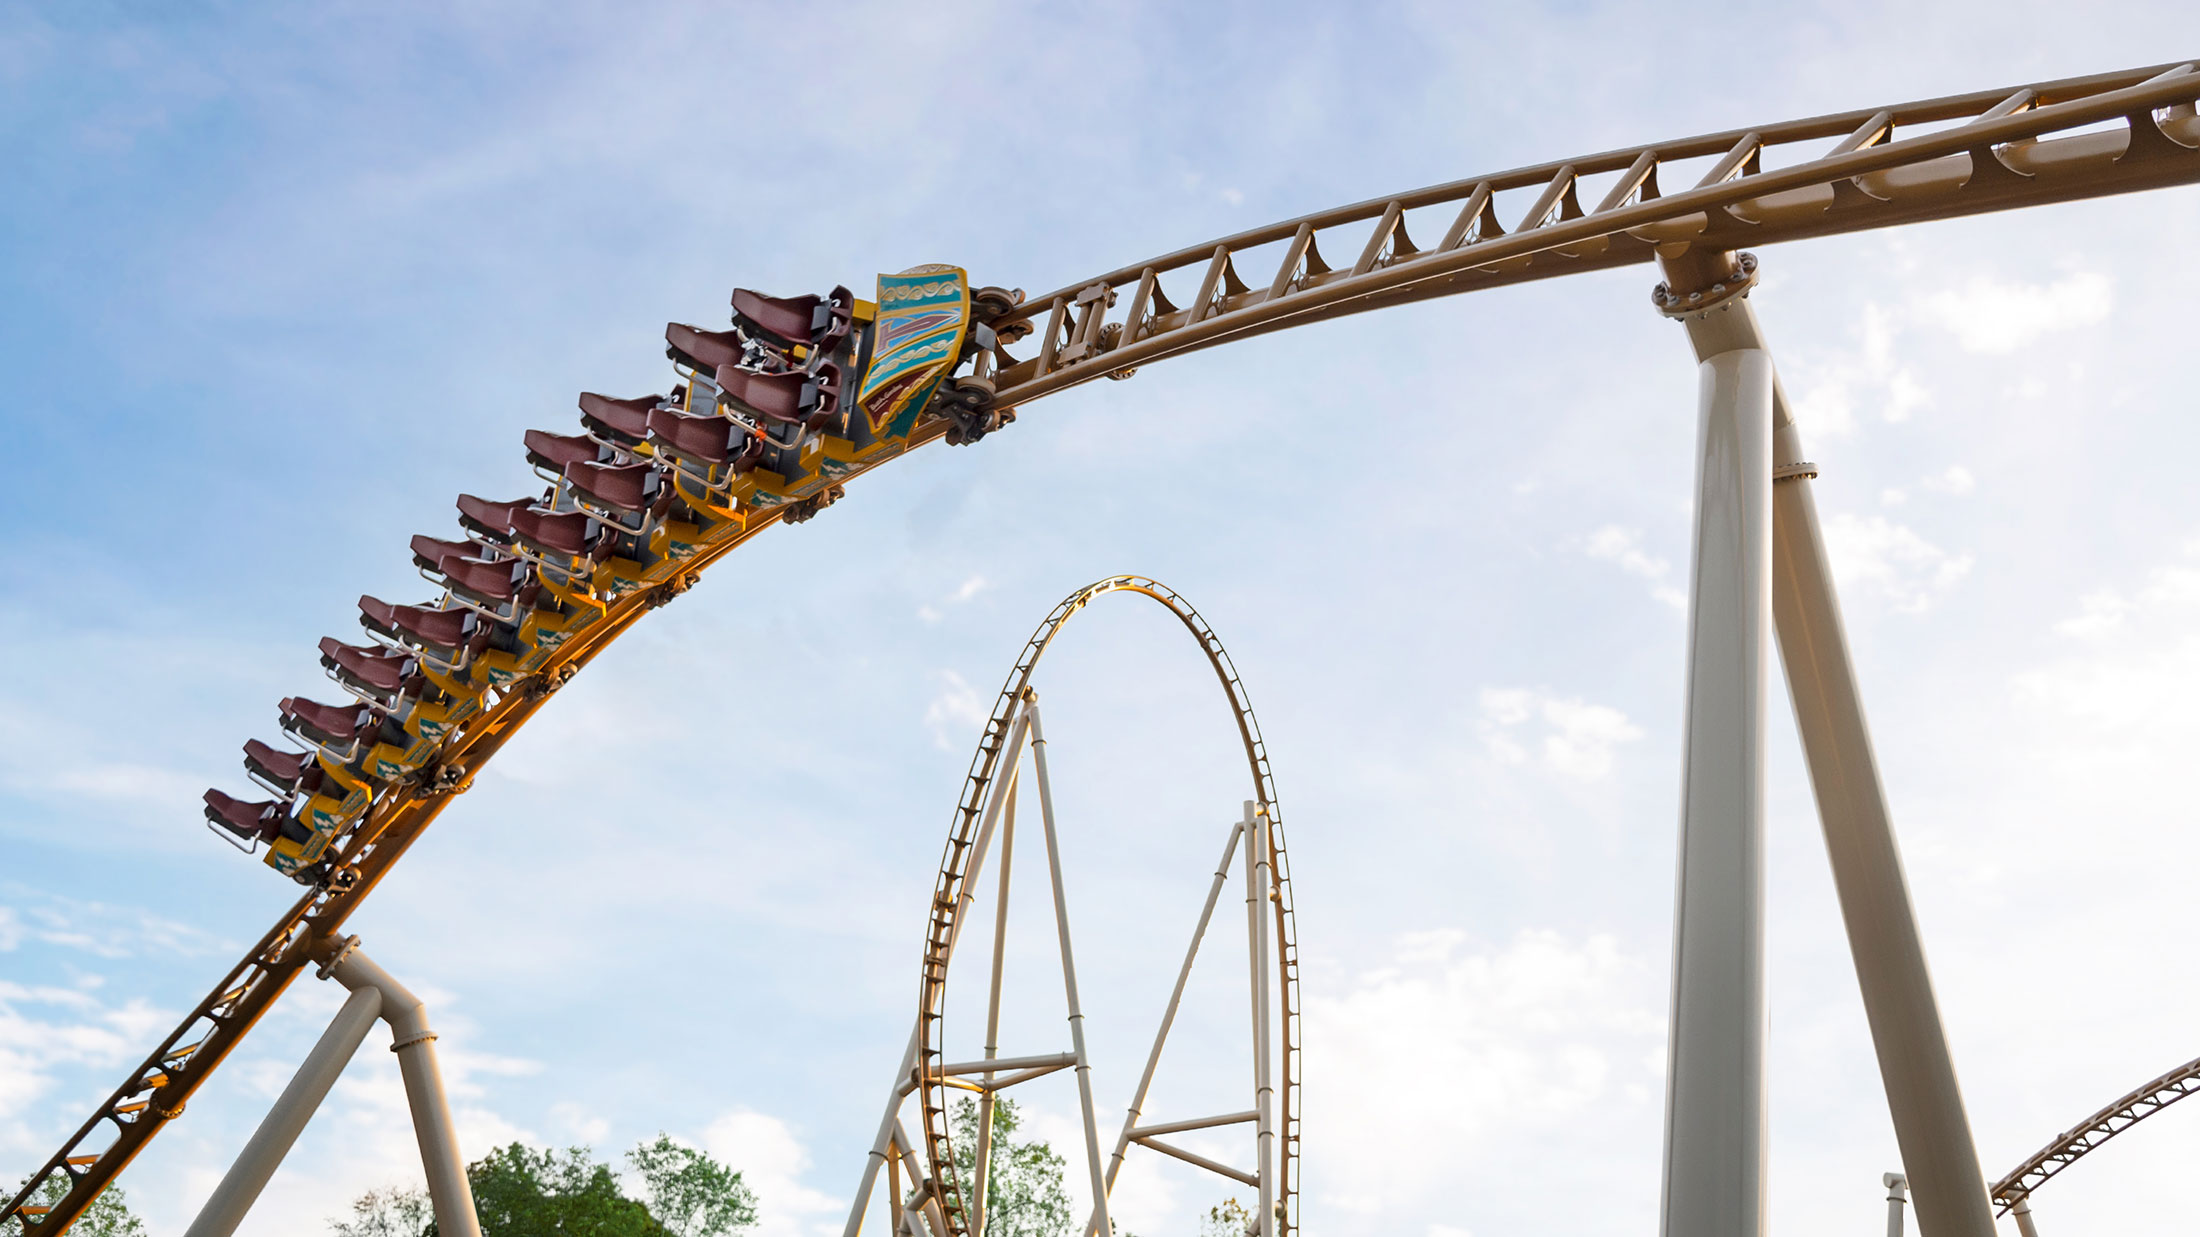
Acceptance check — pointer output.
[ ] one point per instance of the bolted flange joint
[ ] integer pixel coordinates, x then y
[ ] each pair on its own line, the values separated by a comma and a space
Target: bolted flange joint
1675, 304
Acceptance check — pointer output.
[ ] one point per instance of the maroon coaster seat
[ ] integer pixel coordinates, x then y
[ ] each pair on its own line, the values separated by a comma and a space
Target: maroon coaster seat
811, 400
266, 820
334, 727
813, 321
429, 552
552, 452
624, 421
371, 668
708, 439
625, 494
288, 772
702, 351
449, 636
492, 520
557, 534
491, 581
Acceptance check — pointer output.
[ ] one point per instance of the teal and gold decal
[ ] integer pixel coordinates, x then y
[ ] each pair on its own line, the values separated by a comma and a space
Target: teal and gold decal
923, 315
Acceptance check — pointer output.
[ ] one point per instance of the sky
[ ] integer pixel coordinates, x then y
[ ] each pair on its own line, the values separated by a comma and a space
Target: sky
277, 282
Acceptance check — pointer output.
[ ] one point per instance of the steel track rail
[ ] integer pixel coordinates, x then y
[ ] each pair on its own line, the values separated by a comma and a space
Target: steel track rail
1981, 152
1989, 151
947, 899
2073, 1144
155, 1092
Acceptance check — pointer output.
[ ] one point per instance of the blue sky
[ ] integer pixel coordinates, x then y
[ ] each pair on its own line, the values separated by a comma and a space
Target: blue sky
277, 283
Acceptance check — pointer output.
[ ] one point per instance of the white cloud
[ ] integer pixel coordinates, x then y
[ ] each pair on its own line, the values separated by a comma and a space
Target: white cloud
1954, 479
1460, 1049
103, 930
1577, 737
772, 1161
1614, 543
1892, 561
2169, 588
1829, 388
1999, 316
969, 588
579, 1123
955, 712
35, 1042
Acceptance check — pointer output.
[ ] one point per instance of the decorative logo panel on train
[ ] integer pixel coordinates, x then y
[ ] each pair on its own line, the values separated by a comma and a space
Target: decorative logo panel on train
923, 315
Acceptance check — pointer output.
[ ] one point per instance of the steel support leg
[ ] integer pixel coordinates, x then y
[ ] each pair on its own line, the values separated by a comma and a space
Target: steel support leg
1095, 1172
1939, 1157
2022, 1210
1715, 1096
1257, 874
412, 1041
374, 994
264, 1153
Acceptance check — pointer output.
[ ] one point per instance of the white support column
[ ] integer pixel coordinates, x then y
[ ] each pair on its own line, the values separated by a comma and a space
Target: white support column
981, 1173
412, 1041
1715, 1092
1069, 971
1939, 1156
905, 1079
264, 1153
2022, 1210
1168, 1016
1257, 875
374, 994
1897, 1194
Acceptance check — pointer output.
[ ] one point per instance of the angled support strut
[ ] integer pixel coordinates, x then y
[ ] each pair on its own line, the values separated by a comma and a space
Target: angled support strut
1939, 1157
374, 994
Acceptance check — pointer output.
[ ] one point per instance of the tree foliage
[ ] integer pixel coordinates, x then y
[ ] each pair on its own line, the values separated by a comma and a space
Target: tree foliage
691, 1194
1025, 1196
1229, 1218
520, 1192
523, 1192
108, 1216
395, 1212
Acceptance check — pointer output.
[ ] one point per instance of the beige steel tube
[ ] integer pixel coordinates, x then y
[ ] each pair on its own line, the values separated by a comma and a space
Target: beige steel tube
1715, 1089
1897, 1194
982, 1172
1168, 1020
1257, 874
263, 1154
1939, 1157
414, 1044
905, 1079
1069, 969
2022, 1210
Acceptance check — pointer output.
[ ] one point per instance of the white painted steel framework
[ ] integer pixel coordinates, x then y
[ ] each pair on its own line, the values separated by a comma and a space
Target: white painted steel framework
935, 1202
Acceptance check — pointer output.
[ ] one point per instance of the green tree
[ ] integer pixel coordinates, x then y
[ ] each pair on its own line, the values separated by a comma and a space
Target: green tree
520, 1192
108, 1216
691, 1194
1024, 1192
1230, 1218
395, 1212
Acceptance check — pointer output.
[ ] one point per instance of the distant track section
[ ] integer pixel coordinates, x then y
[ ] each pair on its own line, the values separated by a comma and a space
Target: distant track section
2074, 1144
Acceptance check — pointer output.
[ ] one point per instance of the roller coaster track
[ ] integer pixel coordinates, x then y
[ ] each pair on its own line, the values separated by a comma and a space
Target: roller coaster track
1967, 154
949, 898
2088, 1135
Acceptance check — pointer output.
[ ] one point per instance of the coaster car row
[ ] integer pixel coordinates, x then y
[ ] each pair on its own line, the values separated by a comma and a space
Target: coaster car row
760, 419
